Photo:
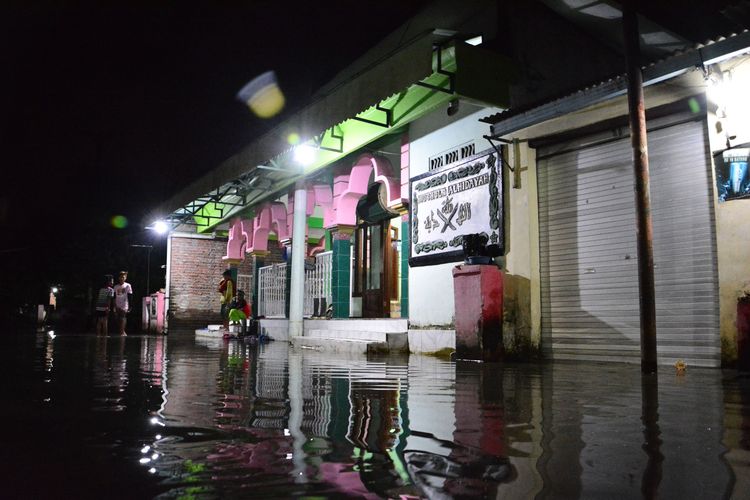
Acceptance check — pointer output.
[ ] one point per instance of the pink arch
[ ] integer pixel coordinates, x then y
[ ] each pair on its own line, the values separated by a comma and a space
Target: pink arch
271, 217
240, 237
345, 204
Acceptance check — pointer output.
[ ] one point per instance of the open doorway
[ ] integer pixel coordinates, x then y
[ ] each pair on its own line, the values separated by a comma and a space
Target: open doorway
376, 270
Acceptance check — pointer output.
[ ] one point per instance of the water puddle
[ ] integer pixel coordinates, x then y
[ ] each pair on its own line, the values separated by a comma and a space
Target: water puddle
171, 417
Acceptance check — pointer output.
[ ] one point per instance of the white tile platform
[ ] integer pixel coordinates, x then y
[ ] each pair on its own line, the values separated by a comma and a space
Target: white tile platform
349, 336
427, 341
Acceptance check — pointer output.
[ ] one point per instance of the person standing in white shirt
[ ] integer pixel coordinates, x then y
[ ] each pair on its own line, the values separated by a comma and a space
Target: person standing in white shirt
123, 294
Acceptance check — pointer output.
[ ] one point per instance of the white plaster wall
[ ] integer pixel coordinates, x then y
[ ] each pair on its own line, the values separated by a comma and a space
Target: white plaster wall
732, 217
431, 287
518, 210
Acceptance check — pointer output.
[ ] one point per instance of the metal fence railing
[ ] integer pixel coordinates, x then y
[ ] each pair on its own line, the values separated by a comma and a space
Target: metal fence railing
318, 284
272, 290
272, 287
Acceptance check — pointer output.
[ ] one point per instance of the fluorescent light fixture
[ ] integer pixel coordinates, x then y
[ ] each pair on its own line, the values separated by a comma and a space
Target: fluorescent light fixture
160, 227
477, 40
304, 154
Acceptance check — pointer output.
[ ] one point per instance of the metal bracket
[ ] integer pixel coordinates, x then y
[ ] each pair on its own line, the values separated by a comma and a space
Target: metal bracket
388, 118
451, 76
499, 153
319, 141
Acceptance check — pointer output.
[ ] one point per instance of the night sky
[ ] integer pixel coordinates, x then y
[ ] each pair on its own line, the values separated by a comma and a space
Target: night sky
107, 110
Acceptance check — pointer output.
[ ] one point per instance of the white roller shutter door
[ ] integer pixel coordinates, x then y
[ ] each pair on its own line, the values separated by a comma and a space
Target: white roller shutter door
589, 270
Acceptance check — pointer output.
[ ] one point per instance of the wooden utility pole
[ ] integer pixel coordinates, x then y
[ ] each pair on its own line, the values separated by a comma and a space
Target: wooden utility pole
639, 144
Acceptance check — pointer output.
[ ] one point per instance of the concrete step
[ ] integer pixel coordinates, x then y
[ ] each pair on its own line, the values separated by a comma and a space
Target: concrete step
384, 325
332, 345
347, 335
275, 332
209, 333
391, 343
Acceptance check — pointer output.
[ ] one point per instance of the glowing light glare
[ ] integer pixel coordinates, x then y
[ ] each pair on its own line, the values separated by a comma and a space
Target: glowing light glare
304, 154
158, 436
55, 289
51, 334
145, 449
714, 91
160, 227
156, 421
152, 470
289, 456
263, 95
287, 433
154, 456
729, 91
477, 40
293, 138
119, 222
144, 460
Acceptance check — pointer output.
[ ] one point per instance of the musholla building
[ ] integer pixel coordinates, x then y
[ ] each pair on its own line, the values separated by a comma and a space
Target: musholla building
463, 122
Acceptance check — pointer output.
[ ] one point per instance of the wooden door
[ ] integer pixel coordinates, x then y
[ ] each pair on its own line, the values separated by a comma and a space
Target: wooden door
376, 270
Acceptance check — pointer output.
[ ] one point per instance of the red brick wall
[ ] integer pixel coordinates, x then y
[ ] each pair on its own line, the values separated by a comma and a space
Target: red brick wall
195, 272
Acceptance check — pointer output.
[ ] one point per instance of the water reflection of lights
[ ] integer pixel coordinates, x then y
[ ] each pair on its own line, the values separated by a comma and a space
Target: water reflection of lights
49, 353
156, 421
153, 364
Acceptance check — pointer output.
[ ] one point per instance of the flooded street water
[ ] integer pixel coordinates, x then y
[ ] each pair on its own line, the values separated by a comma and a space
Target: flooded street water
175, 417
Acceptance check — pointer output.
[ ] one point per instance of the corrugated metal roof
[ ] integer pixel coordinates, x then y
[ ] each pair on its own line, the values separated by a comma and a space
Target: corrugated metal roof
517, 118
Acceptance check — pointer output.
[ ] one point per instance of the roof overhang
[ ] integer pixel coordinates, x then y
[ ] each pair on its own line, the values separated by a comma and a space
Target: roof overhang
377, 101
512, 120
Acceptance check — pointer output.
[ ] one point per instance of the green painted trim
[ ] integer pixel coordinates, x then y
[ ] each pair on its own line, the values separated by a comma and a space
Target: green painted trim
210, 212
414, 102
478, 74
405, 245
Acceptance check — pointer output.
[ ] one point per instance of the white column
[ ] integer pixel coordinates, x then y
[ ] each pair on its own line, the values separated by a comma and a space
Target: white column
296, 413
167, 288
299, 245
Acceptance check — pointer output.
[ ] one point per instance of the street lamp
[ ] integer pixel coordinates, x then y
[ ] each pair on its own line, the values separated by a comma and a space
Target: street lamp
148, 266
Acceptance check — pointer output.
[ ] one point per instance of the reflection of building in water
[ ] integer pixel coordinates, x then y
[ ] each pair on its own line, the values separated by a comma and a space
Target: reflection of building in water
318, 404
737, 434
192, 385
585, 423
153, 358
378, 426
375, 422
271, 386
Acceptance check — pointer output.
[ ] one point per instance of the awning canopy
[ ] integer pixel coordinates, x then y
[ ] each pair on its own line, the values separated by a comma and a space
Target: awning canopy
376, 101
511, 120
